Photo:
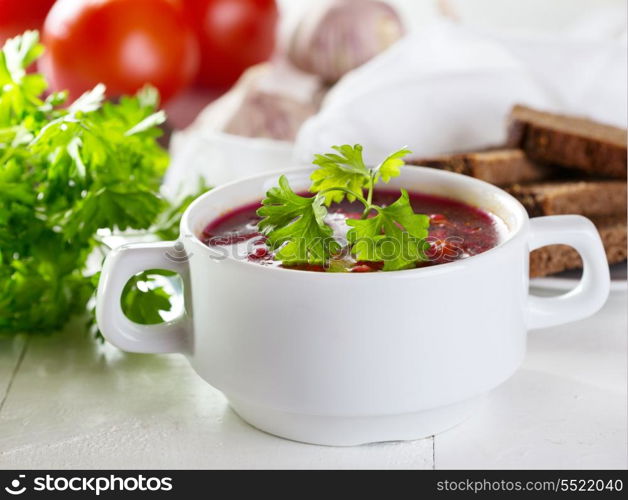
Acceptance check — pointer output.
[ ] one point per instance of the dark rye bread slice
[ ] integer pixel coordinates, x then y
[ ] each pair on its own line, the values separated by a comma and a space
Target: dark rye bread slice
572, 197
557, 258
569, 141
501, 167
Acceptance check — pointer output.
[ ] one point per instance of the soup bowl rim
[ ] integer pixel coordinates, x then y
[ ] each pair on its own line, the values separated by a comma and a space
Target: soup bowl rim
513, 234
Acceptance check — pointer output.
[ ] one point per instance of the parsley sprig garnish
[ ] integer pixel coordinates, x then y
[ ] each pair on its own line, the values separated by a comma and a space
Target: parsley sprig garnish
296, 225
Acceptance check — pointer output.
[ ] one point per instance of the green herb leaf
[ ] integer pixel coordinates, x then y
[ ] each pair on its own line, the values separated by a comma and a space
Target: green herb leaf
166, 226
391, 166
344, 170
148, 97
88, 101
143, 300
147, 123
396, 236
115, 207
295, 225
17, 54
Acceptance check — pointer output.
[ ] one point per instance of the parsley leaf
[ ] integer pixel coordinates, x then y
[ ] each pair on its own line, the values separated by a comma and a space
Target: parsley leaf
112, 208
143, 300
345, 174
396, 235
295, 225
88, 101
17, 54
391, 166
166, 226
345, 170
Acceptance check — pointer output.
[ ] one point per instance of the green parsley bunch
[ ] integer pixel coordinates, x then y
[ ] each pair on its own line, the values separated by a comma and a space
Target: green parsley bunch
66, 174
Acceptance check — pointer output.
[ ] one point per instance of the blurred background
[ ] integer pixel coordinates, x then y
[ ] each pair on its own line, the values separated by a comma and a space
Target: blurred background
194, 50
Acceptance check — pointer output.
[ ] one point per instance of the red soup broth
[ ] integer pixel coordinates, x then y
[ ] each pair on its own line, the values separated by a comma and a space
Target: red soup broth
456, 231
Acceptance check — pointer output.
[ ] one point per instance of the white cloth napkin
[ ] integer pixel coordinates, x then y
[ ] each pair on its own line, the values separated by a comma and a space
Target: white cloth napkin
449, 88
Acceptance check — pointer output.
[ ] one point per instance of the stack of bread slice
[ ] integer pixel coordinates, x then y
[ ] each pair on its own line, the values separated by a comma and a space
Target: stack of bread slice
555, 164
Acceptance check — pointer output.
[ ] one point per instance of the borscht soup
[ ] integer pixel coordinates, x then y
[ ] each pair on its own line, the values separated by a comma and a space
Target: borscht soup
456, 231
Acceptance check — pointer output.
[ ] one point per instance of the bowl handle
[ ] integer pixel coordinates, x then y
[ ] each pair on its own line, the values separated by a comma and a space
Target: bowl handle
120, 265
591, 292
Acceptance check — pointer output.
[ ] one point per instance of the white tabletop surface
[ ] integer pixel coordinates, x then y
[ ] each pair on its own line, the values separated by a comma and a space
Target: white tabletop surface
68, 402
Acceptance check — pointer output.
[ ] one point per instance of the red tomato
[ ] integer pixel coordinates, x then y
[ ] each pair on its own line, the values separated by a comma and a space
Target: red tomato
233, 35
17, 16
122, 43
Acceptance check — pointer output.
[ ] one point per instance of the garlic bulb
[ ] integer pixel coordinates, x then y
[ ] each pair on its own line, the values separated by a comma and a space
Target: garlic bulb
270, 100
270, 115
340, 35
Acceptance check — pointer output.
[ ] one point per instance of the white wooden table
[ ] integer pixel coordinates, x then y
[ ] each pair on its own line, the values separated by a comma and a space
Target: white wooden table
68, 402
